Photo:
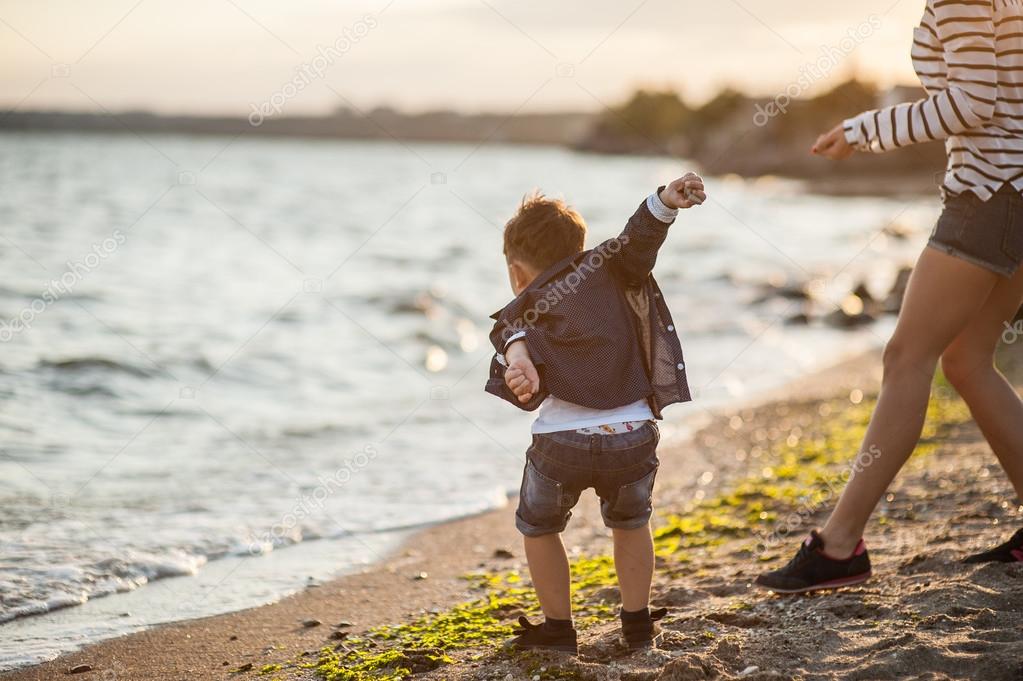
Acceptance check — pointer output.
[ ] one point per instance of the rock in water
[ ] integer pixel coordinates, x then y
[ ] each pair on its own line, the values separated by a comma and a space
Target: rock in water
783, 290
893, 302
863, 293
897, 231
852, 313
801, 319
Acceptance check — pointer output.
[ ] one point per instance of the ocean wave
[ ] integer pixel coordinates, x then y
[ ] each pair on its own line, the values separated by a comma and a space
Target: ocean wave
97, 364
33, 591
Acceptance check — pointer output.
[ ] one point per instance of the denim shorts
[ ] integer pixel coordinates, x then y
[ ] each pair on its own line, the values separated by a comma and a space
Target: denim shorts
988, 234
560, 466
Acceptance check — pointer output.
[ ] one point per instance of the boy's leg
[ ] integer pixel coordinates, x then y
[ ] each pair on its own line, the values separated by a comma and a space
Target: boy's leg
634, 563
548, 567
944, 296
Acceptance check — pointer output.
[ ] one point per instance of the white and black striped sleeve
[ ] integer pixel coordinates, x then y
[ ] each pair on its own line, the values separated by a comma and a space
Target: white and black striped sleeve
966, 32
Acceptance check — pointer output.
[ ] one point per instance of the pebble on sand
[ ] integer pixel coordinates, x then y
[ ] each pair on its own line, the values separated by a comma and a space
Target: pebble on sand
310, 623
80, 669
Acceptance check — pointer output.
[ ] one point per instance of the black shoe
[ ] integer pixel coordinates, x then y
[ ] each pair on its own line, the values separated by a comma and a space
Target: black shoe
812, 569
1009, 552
640, 629
544, 637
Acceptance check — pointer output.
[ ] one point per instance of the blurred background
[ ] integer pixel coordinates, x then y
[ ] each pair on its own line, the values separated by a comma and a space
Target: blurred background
249, 251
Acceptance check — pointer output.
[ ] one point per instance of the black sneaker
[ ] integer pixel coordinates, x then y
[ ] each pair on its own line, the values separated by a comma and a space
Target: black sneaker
544, 637
1009, 552
812, 569
640, 629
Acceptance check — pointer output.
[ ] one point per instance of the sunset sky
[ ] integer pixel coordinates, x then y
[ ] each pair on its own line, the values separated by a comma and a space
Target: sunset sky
223, 56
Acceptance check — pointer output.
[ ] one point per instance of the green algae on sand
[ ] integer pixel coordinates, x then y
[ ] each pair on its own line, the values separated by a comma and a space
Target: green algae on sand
797, 472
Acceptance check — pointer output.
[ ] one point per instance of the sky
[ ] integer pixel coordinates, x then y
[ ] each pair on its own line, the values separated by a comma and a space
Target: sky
312, 56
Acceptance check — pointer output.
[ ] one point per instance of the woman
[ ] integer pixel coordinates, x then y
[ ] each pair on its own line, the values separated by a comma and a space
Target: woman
968, 282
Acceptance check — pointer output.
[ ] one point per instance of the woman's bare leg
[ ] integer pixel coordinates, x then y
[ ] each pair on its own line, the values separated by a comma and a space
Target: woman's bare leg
945, 293
969, 365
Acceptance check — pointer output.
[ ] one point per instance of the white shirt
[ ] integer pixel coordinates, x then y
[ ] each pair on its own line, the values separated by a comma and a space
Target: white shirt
557, 415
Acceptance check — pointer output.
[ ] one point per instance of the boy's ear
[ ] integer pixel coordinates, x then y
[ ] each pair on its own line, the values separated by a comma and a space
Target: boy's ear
519, 274
515, 272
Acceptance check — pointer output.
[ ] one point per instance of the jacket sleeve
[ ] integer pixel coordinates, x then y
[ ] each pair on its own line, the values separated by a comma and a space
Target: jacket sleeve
633, 254
966, 31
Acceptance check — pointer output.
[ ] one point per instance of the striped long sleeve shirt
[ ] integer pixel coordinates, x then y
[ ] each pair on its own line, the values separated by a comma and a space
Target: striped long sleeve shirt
969, 57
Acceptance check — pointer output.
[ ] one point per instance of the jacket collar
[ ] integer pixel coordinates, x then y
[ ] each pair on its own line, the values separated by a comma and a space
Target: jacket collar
542, 279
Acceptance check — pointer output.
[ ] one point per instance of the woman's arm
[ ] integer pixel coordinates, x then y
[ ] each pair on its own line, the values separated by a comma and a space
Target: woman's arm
966, 31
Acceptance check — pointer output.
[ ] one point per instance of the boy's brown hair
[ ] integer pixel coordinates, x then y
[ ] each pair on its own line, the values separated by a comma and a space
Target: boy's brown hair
543, 232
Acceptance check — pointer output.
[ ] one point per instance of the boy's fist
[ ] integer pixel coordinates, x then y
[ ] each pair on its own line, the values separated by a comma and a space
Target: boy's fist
522, 379
685, 192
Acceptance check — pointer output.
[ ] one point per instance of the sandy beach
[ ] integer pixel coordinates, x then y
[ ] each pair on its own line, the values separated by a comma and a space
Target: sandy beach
439, 608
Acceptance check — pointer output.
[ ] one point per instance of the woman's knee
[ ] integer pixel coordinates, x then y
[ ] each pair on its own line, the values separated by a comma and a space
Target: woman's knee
963, 366
901, 356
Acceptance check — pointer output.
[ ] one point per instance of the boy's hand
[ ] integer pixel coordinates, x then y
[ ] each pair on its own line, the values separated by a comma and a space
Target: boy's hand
521, 376
685, 192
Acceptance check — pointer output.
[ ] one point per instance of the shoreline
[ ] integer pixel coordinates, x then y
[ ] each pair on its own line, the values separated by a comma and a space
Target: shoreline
718, 628
158, 604
407, 557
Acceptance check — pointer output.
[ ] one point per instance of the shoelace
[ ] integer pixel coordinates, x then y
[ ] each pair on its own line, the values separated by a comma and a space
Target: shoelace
801, 556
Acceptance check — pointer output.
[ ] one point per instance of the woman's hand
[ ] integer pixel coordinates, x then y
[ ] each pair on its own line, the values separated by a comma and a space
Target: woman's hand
833, 145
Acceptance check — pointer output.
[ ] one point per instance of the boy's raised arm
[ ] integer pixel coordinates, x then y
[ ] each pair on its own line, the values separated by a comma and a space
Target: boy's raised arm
633, 254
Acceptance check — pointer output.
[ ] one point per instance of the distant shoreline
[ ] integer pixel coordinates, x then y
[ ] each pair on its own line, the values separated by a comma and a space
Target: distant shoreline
866, 176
